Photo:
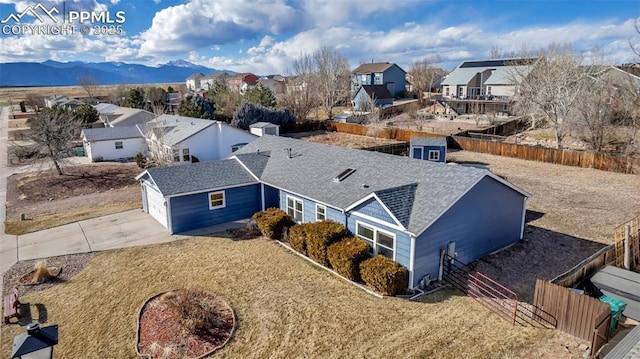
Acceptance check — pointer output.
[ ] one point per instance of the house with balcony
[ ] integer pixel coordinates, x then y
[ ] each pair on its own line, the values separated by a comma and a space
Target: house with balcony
485, 86
392, 76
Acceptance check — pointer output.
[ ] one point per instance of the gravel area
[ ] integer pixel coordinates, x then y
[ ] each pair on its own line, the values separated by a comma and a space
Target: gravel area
71, 264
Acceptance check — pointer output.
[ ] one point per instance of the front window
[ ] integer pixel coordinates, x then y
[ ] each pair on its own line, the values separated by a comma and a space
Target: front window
488, 90
446, 91
119, 145
379, 242
434, 155
216, 200
176, 155
321, 213
186, 157
364, 79
295, 209
378, 79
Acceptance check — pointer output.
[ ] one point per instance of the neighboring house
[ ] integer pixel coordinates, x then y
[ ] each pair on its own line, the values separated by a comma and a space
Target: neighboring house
112, 143
208, 81
428, 148
116, 116
404, 209
294, 84
193, 81
183, 138
484, 86
264, 128
392, 76
277, 87
242, 82
379, 95
63, 102
173, 101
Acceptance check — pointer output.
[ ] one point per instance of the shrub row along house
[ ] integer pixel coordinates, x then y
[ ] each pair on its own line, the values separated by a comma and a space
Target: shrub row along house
179, 139
405, 209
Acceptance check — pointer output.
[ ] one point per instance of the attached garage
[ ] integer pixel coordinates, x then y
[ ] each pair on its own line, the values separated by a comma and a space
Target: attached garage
156, 204
198, 195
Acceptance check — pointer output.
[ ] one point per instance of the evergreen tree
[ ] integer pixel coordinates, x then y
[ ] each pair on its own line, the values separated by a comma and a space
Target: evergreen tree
135, 99
87, 114
260, 95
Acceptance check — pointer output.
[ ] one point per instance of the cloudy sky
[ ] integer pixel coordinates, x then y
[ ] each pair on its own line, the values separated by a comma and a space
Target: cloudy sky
263, 36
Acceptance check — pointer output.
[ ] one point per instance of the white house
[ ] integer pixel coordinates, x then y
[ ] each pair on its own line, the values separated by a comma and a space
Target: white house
264, 128
62, 101
116, 116
193, 81
113, 143
187, 139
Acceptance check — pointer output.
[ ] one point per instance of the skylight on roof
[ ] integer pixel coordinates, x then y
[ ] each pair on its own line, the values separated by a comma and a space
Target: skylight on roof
344, 174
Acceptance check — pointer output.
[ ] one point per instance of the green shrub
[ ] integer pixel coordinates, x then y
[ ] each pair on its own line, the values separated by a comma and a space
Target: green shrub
319, 236
272, 222
298, 237
141, 160
345, 256
384, 275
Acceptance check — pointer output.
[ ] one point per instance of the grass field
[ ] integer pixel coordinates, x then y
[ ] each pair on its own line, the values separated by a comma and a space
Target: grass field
285, 306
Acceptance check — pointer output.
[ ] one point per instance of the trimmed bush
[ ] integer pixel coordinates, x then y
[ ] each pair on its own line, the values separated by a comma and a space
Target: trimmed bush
298, 237
272, 222
384, 275
345, 256
321, 235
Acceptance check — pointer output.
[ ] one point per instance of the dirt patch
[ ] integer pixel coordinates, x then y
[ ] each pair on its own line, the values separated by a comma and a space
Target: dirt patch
47, 200
442, 125
341, 139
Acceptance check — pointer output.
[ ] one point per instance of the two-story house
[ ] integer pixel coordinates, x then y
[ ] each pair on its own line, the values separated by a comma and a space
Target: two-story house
193, 81
242, 82
379, 73
484, 86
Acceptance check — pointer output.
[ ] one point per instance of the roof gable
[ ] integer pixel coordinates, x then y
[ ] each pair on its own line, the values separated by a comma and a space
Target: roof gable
198, 177
111, 133
375, 67
175, 129
377, 91
428, 141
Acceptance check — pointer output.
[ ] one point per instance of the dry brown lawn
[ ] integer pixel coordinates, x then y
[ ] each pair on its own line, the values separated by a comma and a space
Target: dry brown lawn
341, 139
286, 308
18, 124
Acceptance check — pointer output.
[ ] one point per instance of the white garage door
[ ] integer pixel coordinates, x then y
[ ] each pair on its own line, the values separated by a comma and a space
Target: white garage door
155, 204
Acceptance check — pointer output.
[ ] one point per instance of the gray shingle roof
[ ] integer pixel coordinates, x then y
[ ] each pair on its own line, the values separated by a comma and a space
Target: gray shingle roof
428, 141
263, 124
175, 129
197, 177
504, 72
255, 162
111, 133
373, 67
312, 167
378, 92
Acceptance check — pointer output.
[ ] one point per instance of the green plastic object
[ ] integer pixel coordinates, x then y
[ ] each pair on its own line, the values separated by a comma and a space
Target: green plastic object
617, 307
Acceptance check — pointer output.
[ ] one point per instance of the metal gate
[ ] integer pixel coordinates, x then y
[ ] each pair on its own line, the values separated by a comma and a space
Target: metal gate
494, 296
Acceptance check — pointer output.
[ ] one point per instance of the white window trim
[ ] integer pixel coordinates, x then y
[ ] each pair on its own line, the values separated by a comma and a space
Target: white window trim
183, 159
437, 157
375, 237
294, 209
121, 145
224, 200
317, 207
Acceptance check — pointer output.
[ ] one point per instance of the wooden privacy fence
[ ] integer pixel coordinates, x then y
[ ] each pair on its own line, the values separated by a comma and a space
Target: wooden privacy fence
398, 149
631, 229
387, 133
577, 314
543, 154
587, 268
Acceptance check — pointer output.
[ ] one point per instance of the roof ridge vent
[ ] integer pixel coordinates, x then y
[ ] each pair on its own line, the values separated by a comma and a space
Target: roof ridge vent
344, 174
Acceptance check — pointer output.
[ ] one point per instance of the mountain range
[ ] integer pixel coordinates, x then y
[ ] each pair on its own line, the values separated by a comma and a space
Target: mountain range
53, 73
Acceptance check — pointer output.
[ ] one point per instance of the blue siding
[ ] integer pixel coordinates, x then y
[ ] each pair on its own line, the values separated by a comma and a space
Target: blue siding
403, 239
192, 211
415, 153
398, 77
374, 209
309, 209
271, 197
486, 219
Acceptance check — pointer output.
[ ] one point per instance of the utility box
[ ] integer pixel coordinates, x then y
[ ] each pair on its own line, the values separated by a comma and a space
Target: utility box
617, 307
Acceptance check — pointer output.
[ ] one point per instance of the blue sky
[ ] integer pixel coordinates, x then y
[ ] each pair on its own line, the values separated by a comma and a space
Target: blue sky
264, 36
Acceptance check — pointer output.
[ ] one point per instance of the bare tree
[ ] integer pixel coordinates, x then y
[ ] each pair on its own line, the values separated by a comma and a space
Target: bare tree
118, 96
550, 89
36, 101
52, 132
300, 97
372, 115
90, 84
159, 153
333, 78
423, 74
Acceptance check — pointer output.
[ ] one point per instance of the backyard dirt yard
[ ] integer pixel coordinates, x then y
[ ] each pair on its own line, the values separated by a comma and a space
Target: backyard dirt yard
86, 191
285, 307
441, 124
341, 139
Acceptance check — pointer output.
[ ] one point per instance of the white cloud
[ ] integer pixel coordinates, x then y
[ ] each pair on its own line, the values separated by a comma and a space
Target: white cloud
115, 2
201, 23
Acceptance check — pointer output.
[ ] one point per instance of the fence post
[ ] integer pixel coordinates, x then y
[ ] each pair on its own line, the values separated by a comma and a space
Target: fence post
627, 247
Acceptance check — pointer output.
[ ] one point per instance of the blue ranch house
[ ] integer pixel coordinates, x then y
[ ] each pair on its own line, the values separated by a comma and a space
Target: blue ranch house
406, 210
